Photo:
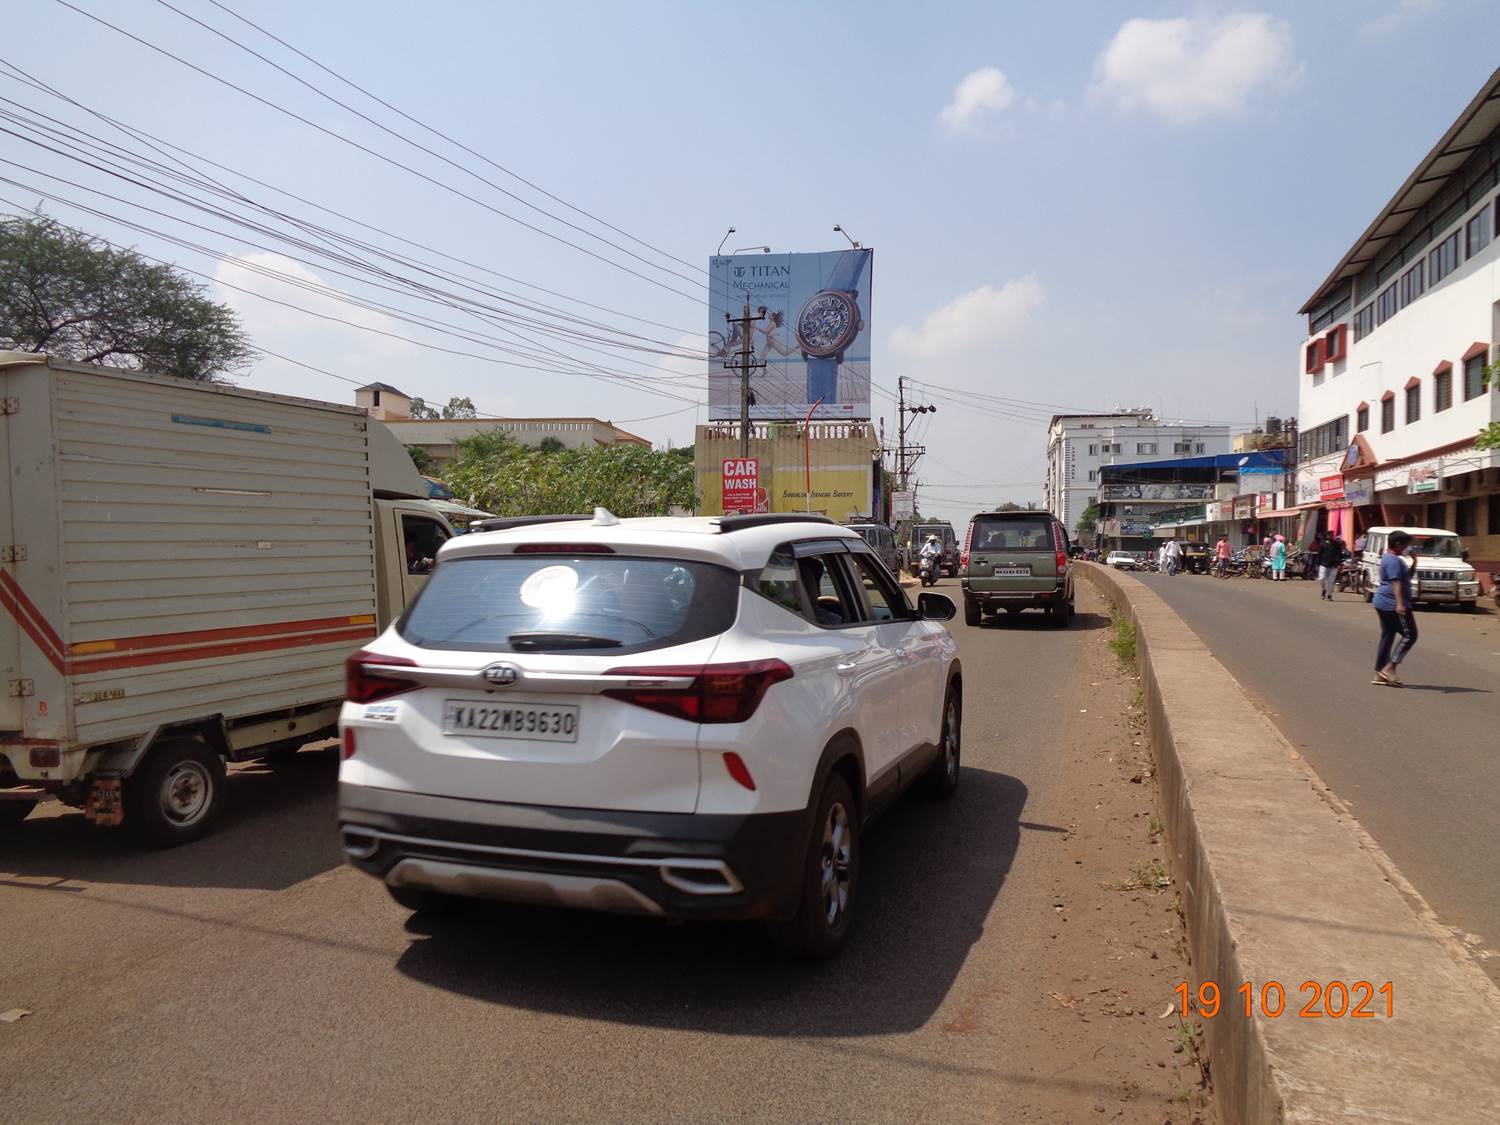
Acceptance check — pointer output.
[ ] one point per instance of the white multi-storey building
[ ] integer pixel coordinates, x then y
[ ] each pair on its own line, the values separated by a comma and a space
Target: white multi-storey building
1392, 374
1079, 445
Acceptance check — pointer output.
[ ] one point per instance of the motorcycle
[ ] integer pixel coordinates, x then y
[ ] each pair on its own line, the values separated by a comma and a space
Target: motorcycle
927, 570
1350, 578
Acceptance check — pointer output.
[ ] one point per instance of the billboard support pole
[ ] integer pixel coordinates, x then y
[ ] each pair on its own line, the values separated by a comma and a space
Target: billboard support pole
745, 365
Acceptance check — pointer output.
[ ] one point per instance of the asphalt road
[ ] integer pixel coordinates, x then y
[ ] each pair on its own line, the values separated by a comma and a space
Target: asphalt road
254, 977
1418, 766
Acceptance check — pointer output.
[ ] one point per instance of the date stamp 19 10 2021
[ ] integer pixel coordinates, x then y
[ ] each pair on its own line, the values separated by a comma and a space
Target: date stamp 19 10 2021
1315, 1000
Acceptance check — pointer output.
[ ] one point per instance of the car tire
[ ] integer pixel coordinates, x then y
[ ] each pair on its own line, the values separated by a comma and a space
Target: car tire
419, 900
972, 613
13, 812
829, 879
177, 795
941, 781
1063, 615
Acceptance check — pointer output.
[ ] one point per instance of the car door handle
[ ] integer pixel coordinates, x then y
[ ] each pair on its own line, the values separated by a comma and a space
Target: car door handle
846, 667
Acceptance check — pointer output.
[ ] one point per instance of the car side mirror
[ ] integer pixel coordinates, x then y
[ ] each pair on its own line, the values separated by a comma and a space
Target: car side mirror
936, 607
1465, 555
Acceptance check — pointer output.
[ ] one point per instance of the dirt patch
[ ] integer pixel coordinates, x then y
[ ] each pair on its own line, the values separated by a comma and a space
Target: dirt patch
1104, 1000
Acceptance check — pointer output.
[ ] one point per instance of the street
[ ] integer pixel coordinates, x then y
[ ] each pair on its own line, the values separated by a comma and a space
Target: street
255, 976
1417, 766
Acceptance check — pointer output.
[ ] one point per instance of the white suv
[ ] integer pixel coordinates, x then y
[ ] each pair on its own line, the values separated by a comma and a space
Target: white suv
680, 717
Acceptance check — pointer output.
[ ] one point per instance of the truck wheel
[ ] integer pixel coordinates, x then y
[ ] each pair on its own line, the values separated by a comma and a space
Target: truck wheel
828, 877
972, 615
177, 795
13, 812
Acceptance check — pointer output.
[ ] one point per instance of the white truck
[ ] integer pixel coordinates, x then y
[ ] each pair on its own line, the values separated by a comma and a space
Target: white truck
184, 568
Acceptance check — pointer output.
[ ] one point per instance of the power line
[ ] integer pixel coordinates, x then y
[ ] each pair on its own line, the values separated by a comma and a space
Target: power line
392, 161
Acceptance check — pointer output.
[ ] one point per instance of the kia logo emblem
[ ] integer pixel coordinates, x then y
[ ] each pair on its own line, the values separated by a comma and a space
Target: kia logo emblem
501, 675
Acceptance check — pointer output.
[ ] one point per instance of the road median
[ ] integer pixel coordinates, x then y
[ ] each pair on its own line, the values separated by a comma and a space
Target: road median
1285, 894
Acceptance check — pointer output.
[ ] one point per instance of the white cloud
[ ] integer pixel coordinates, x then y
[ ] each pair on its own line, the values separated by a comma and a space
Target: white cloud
978, 317
984, 92
1191, 69
1387, 22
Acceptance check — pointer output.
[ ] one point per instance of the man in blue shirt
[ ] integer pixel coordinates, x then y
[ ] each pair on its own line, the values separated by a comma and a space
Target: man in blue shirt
1393, 603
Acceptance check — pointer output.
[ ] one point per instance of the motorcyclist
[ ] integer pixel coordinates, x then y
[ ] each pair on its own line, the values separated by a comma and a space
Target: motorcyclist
932, 548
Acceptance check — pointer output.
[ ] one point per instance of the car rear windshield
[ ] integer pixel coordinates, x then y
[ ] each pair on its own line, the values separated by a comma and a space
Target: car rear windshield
1028, 533
551, 603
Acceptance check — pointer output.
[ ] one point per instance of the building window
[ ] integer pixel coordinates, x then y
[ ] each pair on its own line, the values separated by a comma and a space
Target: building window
1413, 283
1362, 422
1145, 447
1313, 359
1494, 513
1437, 514
1466, 517
1413, 404
1386, 304
1443, 260
1094, 449
1111, 447
1442, 390
1388, 413
1093, 474
1320, 441
1477, 234
1336, 343
1473, 377
1199, 448
1182, 447
1364, 322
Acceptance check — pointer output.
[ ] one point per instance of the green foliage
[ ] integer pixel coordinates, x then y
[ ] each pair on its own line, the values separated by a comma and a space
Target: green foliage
456, 408
420, 458
551, 445
1088, 521
69, 295
1123, 642
1489, 437
498, 474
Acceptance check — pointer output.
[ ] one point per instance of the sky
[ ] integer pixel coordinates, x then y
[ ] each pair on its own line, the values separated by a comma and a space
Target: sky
1072, 206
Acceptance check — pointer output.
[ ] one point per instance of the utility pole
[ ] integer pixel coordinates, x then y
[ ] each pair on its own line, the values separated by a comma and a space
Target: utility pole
906, 455
744, 366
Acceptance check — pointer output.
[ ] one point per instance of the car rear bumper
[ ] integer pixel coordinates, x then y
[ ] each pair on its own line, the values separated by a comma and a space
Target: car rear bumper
678, 865
997, 599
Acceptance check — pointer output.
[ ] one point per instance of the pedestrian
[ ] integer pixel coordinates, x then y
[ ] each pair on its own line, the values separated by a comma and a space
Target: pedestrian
1174, 556
1221, 554
1161, 559
1278, 560
1330, 558
1393, 603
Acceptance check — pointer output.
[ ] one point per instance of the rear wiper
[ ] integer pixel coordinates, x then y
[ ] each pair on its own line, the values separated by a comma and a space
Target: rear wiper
537, 638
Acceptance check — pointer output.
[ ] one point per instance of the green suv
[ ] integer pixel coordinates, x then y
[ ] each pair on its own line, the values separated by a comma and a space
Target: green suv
1015, 561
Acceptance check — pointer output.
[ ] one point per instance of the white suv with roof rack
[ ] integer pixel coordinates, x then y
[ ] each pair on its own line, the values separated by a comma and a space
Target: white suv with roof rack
690, 718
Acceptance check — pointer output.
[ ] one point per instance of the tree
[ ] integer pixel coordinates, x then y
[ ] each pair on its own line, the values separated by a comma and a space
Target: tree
551, 445
69, 295
1088, 520
421, 459
497, 473
456, 408
1489, 437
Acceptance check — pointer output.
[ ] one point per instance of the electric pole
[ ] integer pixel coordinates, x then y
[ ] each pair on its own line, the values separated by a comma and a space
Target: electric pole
744, 366
906, 455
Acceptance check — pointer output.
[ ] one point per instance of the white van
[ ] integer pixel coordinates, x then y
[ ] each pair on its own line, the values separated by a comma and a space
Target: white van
1443, 575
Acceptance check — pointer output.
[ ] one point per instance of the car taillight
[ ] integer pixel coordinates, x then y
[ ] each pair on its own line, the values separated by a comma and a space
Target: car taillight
369, 676
1060, 547
349, 748
564, 549
963, 559
716, 693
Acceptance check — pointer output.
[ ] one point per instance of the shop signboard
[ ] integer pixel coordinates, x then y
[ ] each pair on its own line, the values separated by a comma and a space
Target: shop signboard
1331, 487
1266, 502
1244, 507
741, 488
1427, 478
903, 506
1359, 491
1155, 490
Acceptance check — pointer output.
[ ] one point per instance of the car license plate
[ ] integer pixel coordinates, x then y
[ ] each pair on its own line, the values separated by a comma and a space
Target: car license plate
1015, 570
520, 720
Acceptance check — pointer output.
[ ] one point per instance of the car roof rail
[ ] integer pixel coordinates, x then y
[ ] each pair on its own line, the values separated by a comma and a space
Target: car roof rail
505, 523
745, 523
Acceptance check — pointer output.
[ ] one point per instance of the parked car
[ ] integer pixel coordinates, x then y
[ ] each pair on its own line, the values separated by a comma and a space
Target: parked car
944, 531
1122, 560
882, 541
1443, 574
1015, 561
686, 718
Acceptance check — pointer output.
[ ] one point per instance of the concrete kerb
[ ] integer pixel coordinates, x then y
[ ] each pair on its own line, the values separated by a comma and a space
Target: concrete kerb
1279, 886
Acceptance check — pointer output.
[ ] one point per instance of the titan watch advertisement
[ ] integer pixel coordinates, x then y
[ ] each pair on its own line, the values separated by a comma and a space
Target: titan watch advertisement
807, 318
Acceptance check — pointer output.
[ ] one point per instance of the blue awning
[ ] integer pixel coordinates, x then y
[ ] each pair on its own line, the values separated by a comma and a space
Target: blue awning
1260, 459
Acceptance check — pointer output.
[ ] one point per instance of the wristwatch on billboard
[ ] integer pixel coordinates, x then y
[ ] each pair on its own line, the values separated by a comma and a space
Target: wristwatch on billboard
828, 323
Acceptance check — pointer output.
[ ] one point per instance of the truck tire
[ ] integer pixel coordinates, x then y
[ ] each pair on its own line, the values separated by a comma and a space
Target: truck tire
176, 795
13, 812
972, 614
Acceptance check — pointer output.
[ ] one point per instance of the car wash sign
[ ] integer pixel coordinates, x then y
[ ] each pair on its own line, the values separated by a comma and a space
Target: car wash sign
741, 485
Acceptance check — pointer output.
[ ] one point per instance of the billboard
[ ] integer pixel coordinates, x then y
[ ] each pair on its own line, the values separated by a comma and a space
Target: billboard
812, 333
